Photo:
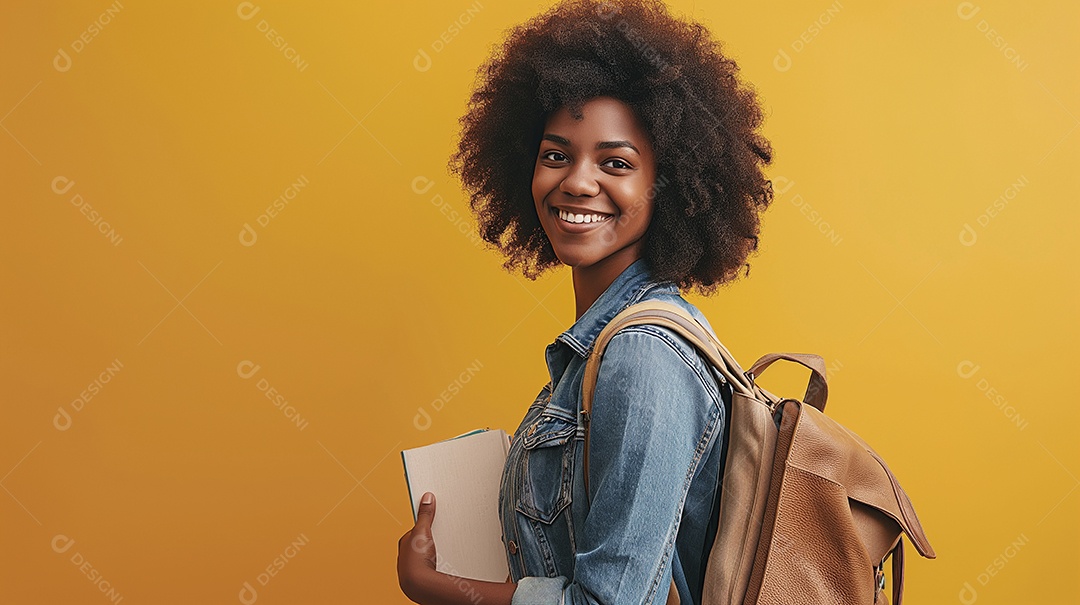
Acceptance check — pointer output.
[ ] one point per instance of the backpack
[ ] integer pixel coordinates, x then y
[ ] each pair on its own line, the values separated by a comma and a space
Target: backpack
808, 511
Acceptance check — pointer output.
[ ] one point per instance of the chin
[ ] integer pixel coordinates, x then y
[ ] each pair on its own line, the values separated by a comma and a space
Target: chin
576, 260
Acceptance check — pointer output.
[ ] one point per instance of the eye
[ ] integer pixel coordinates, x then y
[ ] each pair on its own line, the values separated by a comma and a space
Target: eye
623, 165
546, 156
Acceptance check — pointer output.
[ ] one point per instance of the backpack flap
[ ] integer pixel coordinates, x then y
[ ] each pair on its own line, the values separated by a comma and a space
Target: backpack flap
832, 451
834, 513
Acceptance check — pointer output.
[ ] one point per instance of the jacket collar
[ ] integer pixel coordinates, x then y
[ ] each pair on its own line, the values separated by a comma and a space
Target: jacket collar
628, 288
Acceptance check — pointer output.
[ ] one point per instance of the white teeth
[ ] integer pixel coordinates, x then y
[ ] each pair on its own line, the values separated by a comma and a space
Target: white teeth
582, 218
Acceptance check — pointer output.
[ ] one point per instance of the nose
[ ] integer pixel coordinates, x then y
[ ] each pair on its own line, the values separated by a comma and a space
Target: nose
580, 181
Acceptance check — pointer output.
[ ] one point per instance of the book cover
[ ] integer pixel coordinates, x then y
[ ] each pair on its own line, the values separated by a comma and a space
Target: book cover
464, 473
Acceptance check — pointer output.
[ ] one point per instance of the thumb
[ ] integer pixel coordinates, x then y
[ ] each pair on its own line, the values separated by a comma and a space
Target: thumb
422, 540
425, 513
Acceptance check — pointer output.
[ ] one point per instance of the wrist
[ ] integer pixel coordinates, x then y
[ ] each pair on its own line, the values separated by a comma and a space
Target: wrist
437, 588
420, 584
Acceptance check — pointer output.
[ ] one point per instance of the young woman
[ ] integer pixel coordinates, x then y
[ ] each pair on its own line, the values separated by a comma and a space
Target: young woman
616, 139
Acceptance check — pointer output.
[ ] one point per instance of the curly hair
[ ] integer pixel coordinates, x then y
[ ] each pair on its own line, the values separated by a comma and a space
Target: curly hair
703, 122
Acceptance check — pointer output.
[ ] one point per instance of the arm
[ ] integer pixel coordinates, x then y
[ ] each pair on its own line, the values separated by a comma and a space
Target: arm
653, 418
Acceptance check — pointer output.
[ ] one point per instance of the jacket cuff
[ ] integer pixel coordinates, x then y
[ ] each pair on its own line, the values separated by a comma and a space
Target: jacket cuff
537, 590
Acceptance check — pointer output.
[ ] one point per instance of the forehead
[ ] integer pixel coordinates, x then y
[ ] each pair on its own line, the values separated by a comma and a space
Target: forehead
603, 119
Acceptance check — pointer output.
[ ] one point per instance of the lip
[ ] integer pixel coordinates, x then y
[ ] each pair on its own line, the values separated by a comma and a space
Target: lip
576, 227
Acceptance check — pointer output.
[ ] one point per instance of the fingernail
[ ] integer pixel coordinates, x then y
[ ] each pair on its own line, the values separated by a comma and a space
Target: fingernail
428, 496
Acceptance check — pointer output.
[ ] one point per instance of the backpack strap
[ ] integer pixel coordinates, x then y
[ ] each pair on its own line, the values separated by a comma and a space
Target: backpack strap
817, 392
678, 319
898, 571
674, 317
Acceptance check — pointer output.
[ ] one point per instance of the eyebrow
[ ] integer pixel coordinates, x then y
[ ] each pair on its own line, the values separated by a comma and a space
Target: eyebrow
601, 145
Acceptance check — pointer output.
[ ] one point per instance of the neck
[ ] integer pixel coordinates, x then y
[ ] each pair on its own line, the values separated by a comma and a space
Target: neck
590, 281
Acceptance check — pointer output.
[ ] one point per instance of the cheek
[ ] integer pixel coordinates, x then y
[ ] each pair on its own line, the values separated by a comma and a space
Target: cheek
540, 186
637, 205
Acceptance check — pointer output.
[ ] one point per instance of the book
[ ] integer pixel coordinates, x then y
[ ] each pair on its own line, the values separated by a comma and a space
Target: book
464, 473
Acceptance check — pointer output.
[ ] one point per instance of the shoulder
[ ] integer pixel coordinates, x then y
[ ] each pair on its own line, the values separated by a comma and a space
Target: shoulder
677, 299
647, 352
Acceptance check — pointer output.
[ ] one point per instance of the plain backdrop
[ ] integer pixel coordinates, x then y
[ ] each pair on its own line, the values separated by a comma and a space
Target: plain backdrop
235, 272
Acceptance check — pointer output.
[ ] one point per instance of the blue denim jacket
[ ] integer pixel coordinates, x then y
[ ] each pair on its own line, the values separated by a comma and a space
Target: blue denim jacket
657, 427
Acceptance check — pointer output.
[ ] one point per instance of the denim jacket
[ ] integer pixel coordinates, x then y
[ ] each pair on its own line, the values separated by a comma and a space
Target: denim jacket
655, 453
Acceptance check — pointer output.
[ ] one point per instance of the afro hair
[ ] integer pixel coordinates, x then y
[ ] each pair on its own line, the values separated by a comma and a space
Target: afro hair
703, 122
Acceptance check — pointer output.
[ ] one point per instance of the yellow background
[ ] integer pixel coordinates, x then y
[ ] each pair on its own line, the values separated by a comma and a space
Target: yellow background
362, 300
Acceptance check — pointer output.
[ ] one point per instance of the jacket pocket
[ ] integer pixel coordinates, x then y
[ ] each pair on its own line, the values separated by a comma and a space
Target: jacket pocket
547, 467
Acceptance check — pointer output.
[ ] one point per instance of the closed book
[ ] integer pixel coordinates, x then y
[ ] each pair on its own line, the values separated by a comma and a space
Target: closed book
464, 473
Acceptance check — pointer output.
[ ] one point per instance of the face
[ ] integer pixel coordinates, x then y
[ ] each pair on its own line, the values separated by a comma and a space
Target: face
593, 184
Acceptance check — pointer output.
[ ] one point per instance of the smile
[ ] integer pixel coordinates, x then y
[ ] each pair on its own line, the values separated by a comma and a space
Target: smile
579, 221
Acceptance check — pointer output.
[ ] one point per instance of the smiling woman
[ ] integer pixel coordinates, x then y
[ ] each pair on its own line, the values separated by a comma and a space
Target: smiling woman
641, 71
617, 140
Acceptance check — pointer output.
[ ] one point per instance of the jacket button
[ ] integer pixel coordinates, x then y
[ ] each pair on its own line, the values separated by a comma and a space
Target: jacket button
512, 546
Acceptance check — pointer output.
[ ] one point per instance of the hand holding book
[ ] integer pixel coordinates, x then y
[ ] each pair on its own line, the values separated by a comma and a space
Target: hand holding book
457, 555
464, 473
423, 584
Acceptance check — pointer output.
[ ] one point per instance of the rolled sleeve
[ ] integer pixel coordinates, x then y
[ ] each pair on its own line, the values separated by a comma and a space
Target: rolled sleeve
538, 590
654, 414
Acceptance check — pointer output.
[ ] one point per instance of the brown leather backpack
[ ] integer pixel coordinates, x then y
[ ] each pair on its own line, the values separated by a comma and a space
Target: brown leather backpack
808, 511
